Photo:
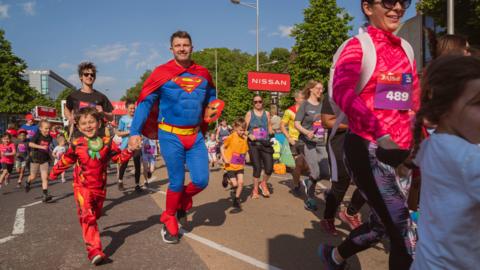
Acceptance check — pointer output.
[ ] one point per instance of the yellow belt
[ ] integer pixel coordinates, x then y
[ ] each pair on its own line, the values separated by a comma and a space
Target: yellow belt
177, 130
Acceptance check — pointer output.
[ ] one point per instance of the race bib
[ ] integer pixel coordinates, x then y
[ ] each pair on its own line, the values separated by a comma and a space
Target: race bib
149, 149
22, 148
83, 104
260, 133
318, 130
394, 91
237, 159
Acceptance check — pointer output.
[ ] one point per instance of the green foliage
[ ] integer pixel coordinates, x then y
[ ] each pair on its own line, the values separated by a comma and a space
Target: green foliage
133, 92
324, 29
16, 96
62, 96
467, 16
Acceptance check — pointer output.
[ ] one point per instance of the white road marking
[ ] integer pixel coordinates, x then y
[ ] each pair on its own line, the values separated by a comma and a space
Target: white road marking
32, 204
19, 225
6, 239
229, 251
222, 248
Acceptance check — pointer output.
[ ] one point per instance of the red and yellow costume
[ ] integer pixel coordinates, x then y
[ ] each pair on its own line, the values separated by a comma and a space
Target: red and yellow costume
90, 157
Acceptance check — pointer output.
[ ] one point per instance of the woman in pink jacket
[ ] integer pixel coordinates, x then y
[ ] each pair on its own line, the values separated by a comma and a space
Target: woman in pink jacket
380, 118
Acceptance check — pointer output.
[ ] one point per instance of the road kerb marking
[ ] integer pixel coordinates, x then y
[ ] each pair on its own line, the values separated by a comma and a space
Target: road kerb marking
229, 251
222, 248
19, 225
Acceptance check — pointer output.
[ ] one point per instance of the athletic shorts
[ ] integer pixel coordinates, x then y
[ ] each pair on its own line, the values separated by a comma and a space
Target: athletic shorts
35, 167
8, 167
148, 159
20, 164
233, 174
297, 148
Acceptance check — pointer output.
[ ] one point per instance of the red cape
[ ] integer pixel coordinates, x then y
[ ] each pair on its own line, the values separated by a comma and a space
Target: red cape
159, 76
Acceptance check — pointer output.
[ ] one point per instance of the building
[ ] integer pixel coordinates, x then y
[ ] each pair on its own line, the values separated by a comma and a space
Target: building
47, 82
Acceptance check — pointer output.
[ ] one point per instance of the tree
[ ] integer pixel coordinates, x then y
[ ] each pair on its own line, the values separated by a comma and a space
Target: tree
62, 96
467, 15
324, 29
16, 96
133, 92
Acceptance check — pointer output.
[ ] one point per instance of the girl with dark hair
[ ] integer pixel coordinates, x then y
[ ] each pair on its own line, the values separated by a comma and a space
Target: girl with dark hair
452, 45
449, 162
379, 137
260, 148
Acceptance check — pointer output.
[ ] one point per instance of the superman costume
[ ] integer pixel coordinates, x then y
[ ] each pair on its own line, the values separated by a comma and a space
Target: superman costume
91, 157
172, 104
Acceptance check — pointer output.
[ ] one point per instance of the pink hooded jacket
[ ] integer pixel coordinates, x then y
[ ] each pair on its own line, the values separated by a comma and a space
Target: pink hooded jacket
363, 119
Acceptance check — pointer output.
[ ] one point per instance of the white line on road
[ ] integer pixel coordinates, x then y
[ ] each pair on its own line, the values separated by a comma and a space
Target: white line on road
32, 204
229, 251
6, 239
19, 225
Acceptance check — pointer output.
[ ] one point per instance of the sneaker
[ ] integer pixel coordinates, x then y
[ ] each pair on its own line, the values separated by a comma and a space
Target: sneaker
19, 185
167, 237
296, 191
120, 185
149, 175
7, 181
27, 187
328, 226
98, 259
225, 180
235, 203
145, 184
64, 181
47, 198
310, 204
307, 184
138, 189
352, 221
325, 253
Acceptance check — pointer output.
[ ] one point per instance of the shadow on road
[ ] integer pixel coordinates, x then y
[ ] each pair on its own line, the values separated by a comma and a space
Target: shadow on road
119, 237
291, 252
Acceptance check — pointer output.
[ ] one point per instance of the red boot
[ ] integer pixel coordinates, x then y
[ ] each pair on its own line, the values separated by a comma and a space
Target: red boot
188, 192
170, 230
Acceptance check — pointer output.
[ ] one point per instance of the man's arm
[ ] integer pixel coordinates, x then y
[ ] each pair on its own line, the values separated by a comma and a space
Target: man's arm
140, 117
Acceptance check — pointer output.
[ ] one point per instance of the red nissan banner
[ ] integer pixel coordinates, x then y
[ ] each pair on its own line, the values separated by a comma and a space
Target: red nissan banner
119, 108
273, 82
48, 112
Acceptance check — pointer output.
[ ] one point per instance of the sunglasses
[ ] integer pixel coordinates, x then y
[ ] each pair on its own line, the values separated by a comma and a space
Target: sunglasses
257, 102
89, 74
390, 4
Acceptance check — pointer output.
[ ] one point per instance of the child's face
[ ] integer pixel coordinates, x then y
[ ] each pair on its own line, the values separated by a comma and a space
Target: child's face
5, 140
61, 141
88, 125
212, 137
131, 109
240, 131
463, 119
21, 136
44, 129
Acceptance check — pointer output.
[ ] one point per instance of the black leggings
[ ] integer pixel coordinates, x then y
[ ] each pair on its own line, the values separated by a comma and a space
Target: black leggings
261, 156
136, 162
389, 216
335, 195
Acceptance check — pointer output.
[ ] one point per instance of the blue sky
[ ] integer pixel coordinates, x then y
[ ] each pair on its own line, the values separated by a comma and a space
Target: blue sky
124, 38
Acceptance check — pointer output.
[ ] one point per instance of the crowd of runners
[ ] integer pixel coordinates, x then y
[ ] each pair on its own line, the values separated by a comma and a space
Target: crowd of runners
409, 145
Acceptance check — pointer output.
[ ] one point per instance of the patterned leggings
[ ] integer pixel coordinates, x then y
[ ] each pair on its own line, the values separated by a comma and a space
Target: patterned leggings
380, 186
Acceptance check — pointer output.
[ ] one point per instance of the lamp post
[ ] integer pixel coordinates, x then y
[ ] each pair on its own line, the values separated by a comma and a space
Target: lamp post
450, 18
256, 7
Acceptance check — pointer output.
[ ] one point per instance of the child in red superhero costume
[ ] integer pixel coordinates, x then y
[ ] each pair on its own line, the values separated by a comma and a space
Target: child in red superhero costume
91, 155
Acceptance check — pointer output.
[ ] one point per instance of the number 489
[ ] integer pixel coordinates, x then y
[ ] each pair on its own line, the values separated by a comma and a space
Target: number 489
397, 96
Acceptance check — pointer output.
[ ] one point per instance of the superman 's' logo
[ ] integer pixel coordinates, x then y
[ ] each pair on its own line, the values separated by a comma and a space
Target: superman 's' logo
188, 84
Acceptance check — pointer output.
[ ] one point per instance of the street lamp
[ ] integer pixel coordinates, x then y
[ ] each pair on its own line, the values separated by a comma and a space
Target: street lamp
256, 7
450, 17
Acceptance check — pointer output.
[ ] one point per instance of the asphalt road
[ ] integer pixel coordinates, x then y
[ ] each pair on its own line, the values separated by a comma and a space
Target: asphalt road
268, 233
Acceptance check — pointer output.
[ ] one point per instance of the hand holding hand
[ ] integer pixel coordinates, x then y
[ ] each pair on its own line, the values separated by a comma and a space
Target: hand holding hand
134, 142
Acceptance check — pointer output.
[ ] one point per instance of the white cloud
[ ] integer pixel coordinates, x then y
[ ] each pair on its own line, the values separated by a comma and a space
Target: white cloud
285, 31
150, 61
29, 8
4, 11
67, 66
107, 53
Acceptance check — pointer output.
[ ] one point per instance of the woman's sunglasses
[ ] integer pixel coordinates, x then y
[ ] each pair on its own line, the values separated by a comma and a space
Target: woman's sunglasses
390, 4
257, 102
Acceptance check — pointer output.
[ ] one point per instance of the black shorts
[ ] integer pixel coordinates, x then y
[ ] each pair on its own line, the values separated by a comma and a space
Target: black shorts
8, 167
297, 148
233, 174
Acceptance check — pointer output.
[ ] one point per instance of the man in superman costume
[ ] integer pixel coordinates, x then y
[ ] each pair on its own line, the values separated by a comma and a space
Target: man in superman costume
177, 101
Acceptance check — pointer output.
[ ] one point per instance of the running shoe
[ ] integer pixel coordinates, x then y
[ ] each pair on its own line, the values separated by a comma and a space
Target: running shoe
225, 180
27, 187
307, 184
167, 237
328, 225
145, 184
97, 259
120, 185
46, 198
310, 204
235, 203
138, 188
325, 253
296, 191
352, 221
19, 185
